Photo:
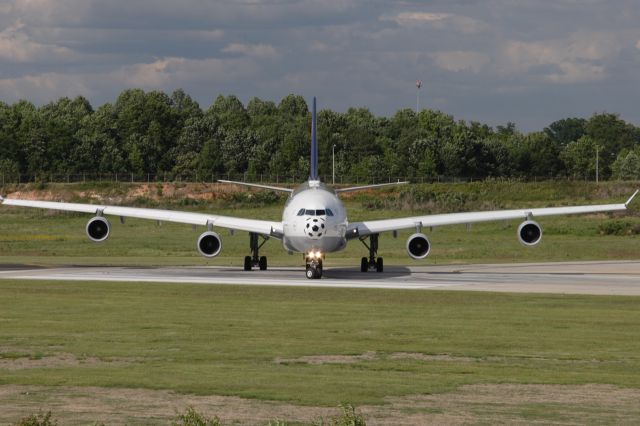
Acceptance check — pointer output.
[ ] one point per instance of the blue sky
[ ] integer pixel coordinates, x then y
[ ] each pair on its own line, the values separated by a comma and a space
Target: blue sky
526, 61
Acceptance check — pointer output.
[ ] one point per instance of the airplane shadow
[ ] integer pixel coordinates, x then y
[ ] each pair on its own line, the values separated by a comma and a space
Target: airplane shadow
355, 274
18, 267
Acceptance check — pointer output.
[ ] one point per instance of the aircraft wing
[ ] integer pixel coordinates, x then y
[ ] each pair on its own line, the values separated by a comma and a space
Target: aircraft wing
262, 227
365, 228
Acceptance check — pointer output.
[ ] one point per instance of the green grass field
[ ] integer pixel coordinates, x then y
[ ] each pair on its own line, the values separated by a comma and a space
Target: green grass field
251, 342
319, 347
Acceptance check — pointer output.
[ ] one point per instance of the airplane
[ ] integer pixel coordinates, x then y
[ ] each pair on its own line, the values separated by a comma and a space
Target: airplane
314, 222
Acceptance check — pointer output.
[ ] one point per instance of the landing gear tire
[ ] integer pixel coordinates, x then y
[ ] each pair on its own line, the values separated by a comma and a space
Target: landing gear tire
314, 270
311, 272
372, 262
255, 259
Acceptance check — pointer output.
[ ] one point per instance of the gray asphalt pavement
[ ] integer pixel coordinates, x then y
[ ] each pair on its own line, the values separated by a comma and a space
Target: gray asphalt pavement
613, 278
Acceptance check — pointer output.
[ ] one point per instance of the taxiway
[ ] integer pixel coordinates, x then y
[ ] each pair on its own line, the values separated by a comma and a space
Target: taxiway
604, 278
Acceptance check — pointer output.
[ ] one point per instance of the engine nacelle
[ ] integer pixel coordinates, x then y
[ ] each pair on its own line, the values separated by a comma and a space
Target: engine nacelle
209, 244
529, 233
418, 246
98, 229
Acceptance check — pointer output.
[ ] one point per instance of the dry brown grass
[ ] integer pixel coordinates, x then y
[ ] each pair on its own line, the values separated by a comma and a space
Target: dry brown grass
484, 404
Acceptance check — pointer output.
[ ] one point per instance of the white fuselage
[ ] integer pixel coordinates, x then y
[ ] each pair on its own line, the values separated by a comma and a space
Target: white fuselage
314, 219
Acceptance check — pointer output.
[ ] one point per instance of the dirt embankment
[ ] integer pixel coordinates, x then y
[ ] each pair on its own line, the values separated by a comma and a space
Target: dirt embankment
125, 193
136, 193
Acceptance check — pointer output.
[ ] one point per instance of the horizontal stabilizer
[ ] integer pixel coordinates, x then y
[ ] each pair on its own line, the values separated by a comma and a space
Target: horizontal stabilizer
257, 185
379, 185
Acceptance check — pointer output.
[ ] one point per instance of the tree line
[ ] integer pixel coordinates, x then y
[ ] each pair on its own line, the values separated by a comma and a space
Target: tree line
157, 133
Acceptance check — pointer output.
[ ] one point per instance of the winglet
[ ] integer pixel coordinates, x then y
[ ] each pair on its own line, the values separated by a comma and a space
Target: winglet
631, 198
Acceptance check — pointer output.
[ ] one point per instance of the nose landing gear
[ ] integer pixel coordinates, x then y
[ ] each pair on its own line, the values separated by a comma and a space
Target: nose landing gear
314, 266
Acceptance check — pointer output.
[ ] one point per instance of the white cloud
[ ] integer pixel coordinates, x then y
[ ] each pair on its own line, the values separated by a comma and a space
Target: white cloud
318, 46
441, 21
572, 72
167, 72
208, 35
162, 74
412, 18
52, 12
257, 50
17, 46
578, 58
460, 60
43, 88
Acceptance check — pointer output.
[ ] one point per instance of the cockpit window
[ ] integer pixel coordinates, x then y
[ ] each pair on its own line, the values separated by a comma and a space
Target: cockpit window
310, 212
329, 212
319, 212
301, 212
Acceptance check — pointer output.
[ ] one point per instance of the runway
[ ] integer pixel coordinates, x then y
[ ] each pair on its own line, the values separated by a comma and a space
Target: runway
604, 278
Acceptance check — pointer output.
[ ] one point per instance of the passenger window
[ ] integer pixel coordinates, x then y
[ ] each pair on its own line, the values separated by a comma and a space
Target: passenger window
310, 212
301, 212
319, 212
329, 212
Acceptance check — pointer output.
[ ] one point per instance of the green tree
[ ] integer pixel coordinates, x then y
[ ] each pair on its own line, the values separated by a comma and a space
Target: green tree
627, 165
579, 158
567, 130
612, 135
9, 123
267, 126
190, 153
230, 113
148, 125
293, 106
538, 155
61, 123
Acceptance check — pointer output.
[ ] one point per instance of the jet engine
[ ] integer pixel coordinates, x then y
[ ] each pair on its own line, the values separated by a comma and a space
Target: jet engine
98, 229
418, 246
529, 233
209, 244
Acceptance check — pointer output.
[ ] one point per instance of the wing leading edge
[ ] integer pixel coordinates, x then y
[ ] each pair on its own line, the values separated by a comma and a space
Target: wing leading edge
262, 227
376, 226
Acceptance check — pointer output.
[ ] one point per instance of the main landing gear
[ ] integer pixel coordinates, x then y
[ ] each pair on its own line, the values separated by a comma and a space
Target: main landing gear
314, 265
373, 263
255, 259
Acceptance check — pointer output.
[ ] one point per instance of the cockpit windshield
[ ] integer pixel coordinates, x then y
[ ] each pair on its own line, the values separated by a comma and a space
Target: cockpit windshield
319, 212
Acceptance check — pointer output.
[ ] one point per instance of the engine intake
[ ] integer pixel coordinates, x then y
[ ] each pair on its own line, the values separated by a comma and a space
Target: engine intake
529, 233
209, 244
418, 246
98, 229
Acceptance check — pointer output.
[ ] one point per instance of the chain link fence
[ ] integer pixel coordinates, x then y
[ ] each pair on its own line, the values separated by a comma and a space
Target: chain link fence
246, 177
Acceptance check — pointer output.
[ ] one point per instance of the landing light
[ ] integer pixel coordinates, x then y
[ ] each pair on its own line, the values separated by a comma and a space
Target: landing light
315, 255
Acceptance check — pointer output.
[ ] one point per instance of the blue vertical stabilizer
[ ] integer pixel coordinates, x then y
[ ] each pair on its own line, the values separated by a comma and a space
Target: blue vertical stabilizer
314, 144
